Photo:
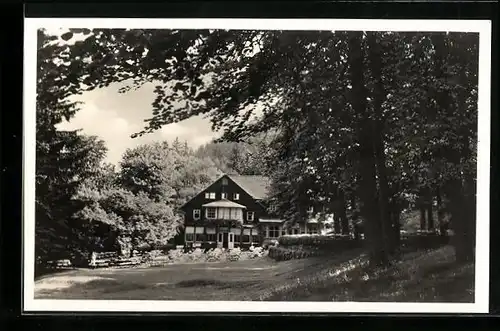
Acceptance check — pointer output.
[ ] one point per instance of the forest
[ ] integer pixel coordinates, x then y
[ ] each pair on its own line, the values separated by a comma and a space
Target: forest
369, 123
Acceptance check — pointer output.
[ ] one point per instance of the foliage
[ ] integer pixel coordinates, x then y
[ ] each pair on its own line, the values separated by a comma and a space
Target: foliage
243, 158
293, 253
309, 239
398, 111
166, 173
64, 162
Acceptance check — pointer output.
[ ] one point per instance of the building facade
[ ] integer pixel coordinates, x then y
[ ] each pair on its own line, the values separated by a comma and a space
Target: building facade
232, 212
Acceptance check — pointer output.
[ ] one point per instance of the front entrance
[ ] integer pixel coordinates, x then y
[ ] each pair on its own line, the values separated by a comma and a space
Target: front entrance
225, 240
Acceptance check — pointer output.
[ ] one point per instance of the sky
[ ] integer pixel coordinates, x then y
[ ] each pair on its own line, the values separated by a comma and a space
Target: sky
114, 117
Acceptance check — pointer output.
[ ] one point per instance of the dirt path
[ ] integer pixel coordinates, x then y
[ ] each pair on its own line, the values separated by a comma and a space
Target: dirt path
241, 280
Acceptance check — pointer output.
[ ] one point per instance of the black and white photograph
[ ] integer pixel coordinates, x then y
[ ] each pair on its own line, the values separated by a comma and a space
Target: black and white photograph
256, 165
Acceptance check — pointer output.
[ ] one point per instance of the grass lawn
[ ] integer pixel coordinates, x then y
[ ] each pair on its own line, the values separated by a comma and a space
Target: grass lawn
420, 276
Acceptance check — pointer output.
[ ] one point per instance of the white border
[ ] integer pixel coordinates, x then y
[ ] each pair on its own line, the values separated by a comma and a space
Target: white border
483, 180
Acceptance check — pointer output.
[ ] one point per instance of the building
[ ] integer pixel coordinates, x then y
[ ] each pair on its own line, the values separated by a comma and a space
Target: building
232, 212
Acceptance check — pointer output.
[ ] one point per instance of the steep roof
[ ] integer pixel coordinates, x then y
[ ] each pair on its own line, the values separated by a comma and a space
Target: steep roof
256, 186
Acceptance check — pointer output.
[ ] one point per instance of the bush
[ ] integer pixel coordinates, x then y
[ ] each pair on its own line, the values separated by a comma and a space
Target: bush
234, 254
214, 254
424, 240
197, 255
269, 243
176, 255
285, 254
255, 252
319, 241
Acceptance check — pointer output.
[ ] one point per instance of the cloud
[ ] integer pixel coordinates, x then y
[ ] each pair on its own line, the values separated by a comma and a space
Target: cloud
114, 117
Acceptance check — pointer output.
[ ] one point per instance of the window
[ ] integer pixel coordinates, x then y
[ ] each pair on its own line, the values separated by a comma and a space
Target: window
272, 208
236, 238
295, 231
223, 195
246, 238
224, 181
225, 213
211, 212
312, 228
283, 232
210, 195
310, 209
274, 231
196, 214
236, 196
189, 236
200, 237
236, 214
211, 237
250, 216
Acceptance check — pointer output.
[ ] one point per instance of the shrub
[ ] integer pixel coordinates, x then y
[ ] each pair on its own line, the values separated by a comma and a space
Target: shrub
255, 252
285, 254
197, 255
214, 254
176, 255
319, 241
234, 254
269, 243
424, 240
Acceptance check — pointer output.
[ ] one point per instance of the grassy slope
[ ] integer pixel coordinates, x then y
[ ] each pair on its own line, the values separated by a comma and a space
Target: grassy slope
426, 276
421, 276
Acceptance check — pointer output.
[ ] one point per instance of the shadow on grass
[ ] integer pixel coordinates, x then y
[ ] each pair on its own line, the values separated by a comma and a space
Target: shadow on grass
215, 283
424, 276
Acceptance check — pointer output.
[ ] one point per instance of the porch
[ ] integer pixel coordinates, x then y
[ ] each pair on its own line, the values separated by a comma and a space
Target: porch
222, 236
272, 229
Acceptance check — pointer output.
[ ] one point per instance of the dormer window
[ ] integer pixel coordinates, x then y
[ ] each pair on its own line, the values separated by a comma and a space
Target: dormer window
236, 196
223, 195
210, 195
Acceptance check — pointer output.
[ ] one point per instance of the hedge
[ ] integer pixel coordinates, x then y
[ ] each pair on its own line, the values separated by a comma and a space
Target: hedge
284, 254
303, 246
331, 242
424, 240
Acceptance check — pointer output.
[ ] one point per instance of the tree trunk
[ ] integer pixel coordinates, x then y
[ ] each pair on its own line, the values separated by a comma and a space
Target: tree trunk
344, 222
336, 223
458, 188
439, 207
422, 217
463, 240
367, 168
353, 203
379, 96
430, 218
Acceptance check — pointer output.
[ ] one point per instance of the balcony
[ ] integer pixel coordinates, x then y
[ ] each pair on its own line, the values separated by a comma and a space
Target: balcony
223, 211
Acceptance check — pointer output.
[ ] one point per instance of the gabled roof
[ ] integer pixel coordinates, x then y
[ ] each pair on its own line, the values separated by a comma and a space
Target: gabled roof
224, 203
255, 186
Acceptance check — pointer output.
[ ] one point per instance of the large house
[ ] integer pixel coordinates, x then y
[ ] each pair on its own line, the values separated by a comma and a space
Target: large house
232, 212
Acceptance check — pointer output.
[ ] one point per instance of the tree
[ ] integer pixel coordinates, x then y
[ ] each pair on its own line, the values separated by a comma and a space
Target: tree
63, 163
379, 129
